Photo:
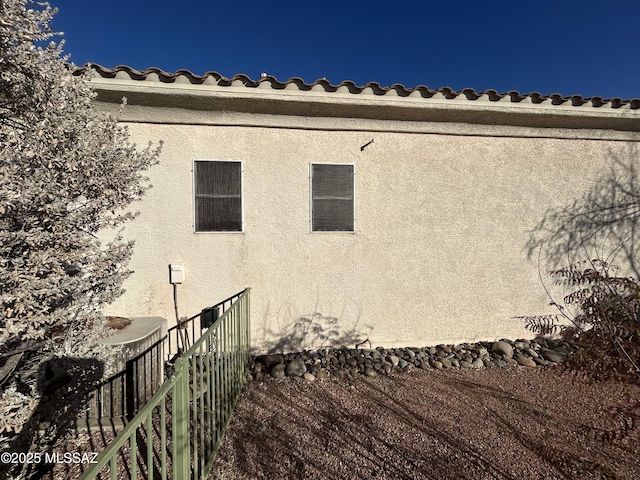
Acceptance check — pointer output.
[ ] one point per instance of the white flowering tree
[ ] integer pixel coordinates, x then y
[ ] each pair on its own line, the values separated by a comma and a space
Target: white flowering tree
67, 172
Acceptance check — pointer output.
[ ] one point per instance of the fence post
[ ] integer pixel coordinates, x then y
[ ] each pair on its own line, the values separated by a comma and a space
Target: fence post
180, 420
227, 353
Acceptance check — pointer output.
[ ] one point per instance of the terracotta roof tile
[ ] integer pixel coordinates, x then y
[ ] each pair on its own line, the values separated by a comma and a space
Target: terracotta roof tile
347, 86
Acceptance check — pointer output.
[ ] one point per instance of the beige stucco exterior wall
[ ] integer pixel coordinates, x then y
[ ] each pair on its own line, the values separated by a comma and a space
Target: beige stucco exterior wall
438, 255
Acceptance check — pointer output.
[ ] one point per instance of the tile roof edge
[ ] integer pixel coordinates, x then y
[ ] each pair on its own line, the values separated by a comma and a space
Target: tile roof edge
349, 86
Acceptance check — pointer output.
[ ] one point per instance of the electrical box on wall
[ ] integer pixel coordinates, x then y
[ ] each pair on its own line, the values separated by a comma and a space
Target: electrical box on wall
176, 273
208, 317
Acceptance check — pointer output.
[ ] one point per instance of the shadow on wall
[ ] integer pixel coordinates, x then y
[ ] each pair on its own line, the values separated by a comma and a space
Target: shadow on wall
604, 223
64, 385
315, 330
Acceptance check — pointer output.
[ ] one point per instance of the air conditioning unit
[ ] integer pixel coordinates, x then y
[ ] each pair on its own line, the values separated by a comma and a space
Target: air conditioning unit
139, 369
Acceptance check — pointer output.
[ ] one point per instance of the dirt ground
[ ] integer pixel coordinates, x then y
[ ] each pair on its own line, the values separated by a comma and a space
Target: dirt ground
498, 423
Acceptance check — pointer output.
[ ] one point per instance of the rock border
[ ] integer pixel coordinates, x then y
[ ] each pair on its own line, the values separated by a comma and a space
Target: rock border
341, 362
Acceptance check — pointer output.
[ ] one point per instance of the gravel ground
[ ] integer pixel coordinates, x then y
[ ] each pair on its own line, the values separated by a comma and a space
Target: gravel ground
494, 423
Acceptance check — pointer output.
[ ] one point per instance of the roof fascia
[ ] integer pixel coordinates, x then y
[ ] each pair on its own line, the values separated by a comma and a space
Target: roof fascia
314, 103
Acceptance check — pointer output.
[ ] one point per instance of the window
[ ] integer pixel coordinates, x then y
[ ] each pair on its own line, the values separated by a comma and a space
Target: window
217, 188
332, 197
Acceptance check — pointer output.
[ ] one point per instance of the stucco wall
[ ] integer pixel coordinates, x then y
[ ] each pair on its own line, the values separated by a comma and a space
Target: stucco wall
438, 254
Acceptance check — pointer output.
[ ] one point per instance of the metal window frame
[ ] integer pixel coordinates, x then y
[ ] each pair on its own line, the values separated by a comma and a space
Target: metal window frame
193, 196
311, 230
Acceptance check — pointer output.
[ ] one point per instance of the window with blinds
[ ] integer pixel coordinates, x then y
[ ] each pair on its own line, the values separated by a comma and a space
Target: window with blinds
218, 196
332, 197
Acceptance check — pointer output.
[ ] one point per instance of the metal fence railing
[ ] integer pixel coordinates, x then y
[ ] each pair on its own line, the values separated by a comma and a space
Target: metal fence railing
178, 432
140, 375
194, 326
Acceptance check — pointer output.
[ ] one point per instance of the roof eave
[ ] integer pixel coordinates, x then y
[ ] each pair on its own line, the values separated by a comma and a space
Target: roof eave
294, 102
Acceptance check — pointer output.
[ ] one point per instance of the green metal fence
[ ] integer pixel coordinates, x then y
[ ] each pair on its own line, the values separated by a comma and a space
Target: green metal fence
178, 432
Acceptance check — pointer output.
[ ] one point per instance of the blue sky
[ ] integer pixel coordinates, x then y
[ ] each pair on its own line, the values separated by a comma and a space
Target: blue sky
584, 47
